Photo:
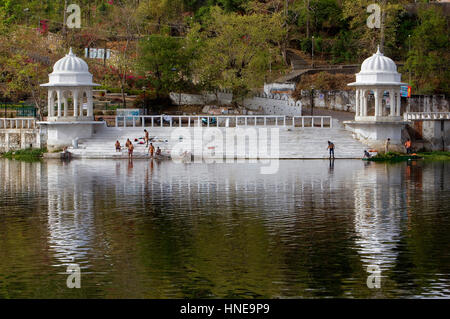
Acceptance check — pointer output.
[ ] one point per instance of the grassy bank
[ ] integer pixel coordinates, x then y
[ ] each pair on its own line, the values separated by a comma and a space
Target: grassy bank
399, 157
435, 156
29, 154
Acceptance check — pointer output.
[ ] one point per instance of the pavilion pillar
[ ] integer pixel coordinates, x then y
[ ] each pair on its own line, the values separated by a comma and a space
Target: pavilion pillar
357, 101
392, 102
81, 104
399, 103
66, 105
50, 104
364, 102
75, 102
53, 103
377, 100
90, 103
58, 93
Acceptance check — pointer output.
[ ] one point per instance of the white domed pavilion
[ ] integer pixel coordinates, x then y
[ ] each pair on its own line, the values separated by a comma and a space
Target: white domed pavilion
70, 103
70, 79
376, 121
378, 75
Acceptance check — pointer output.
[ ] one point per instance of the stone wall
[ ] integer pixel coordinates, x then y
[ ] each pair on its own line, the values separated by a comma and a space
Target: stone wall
15, 139
333, 100
222, 97
427, 103
265, 103
436, 136
274, 105
281, 88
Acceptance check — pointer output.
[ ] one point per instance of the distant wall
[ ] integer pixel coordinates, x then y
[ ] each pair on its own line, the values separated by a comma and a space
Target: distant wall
333, 100
221, 97
16, 139
274, 105
428, 103
345, 101
280, 88
264, 103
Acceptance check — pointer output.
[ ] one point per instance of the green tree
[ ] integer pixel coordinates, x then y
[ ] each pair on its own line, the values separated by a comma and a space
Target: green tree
366, 40
25, 60
123, 26
429, 57
23, 77
165, 61
237, 51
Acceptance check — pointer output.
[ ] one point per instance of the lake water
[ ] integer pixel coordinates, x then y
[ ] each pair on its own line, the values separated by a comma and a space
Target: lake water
166, 230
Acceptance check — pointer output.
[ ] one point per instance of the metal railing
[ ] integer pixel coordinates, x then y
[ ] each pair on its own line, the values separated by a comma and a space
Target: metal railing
17, 123
426, 116
223, 121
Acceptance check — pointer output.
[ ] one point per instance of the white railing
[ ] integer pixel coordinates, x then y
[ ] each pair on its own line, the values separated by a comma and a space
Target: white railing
17, 123
312, 121
223, 121
427, 116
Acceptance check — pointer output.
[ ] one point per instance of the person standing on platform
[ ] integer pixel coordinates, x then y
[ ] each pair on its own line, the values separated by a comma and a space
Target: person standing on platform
386, 145
151, 150
130, 151
146, 138
408, 146
331, 148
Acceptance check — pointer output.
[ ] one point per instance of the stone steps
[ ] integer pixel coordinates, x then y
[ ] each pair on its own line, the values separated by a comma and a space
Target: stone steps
294, 142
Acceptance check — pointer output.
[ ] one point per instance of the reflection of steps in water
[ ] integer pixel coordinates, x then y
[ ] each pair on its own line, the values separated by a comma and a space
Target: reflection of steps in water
293, 142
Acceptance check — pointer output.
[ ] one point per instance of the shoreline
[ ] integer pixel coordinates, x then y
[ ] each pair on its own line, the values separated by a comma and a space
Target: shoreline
40, 154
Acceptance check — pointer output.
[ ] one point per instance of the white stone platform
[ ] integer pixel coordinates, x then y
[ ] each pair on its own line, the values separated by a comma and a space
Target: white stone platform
295, 143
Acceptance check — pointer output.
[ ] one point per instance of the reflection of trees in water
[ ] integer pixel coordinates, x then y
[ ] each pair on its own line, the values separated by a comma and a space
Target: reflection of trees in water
418, 265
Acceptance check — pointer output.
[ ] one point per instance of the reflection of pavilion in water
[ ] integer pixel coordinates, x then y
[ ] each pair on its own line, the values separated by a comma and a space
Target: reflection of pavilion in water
380, 210
70, 213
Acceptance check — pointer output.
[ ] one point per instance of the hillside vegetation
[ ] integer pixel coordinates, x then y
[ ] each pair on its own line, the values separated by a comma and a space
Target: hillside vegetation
159, 46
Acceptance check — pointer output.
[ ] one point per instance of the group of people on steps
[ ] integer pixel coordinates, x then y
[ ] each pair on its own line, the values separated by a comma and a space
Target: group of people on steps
152, 152
129, 145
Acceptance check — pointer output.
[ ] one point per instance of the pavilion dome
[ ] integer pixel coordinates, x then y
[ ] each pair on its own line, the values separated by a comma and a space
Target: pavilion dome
70, 63
378, 63
70, 71
378, 70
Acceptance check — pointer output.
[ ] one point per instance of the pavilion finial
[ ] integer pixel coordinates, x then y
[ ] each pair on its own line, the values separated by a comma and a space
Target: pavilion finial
70, 51
378, 50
